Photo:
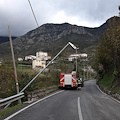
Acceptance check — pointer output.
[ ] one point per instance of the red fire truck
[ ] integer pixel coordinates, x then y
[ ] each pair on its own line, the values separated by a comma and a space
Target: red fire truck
68, 80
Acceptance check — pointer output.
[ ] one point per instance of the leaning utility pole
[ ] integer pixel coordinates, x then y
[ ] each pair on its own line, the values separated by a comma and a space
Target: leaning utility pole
69, 43
11, 45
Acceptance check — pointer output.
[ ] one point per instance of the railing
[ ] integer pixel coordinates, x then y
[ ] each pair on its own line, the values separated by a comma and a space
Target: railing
11, 99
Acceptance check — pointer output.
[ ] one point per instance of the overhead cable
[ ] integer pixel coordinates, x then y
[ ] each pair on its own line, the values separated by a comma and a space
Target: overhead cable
33, 13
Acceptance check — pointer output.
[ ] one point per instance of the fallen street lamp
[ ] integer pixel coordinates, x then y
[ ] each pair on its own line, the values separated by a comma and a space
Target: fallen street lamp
69, 43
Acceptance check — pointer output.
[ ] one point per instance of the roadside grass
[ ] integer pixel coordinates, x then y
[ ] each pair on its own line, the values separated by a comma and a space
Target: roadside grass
107, 81
7, 111
116, 90
23, 67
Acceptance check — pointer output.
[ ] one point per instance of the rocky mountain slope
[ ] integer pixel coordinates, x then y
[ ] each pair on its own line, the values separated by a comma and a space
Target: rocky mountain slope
51, 38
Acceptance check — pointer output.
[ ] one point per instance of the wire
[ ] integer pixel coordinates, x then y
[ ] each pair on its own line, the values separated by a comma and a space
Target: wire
33, 13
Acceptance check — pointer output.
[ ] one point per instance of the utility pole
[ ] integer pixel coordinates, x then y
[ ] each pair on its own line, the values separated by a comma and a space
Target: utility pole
11, 45
76, 60
87, 72
90, 72
84, 72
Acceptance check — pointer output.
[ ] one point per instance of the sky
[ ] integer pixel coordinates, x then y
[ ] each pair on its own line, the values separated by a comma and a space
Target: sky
18, 15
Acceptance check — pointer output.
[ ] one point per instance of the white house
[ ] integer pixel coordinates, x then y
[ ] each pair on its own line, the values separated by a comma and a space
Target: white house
74, 56
40, 61
30, 57
42, 55
20, 59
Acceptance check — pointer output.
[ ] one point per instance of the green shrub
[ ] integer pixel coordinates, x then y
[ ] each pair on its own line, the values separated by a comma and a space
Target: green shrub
7, 80
107, 81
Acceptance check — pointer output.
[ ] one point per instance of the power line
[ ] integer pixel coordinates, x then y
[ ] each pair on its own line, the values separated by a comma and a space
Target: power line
33, 13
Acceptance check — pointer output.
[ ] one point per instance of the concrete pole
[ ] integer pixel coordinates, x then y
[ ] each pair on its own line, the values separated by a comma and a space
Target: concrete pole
84, 72
15, 71
76, 60
90, 73
87, 72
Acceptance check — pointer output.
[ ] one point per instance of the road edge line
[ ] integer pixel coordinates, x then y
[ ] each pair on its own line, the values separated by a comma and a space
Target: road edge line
101, 90
108, 95
79, 110
14, 114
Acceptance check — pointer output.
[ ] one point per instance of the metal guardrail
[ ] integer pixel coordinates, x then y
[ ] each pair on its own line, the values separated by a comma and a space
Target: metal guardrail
11, 99
35, 95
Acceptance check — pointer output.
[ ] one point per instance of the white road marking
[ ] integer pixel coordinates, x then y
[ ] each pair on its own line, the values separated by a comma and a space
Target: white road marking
31, 105
79, 110
108, 95
101, 90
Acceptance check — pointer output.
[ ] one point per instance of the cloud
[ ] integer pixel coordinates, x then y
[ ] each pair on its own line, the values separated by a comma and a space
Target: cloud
17, 13
93, 12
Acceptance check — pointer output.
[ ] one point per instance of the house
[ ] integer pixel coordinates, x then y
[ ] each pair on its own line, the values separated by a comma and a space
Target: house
30, 57
40, 61
49, 57
20, 59
42, 55
74, 56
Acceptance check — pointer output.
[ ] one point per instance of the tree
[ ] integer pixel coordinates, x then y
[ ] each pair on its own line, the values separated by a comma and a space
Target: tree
108, 52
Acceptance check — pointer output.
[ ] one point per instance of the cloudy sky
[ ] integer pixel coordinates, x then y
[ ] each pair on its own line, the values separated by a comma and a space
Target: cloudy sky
18, 15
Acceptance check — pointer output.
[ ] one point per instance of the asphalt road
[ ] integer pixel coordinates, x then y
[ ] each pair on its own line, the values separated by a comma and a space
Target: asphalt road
85, 104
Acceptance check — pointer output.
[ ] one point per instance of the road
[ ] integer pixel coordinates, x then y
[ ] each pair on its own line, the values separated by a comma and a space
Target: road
85, 104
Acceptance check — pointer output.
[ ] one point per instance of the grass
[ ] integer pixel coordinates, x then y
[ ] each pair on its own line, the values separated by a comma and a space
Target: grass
107, 81
116, 90
23, 67
9, 110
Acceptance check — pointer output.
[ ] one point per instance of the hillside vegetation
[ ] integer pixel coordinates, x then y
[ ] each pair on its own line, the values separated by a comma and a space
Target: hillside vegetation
108, 56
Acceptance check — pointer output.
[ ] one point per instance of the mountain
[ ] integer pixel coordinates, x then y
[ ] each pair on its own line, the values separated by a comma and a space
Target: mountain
4, 39
52, 38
